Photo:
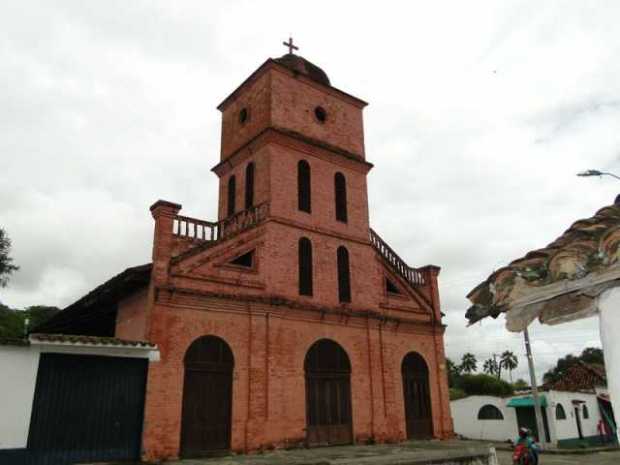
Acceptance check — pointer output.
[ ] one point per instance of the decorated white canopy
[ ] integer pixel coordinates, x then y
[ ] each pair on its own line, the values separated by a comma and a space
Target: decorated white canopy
558, 283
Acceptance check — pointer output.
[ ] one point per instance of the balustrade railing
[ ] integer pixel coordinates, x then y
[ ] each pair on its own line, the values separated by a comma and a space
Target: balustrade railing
411, 275
192, 228
201, 230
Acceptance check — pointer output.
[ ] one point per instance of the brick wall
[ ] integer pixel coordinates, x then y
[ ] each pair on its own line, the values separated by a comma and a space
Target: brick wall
269, 344
131, 317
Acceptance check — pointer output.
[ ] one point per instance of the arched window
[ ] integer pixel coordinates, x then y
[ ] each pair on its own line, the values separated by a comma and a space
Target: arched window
560, 414
305, 266
232, 194
249, 186
304, 195
340, 189
585, 412
344, 278
490, 412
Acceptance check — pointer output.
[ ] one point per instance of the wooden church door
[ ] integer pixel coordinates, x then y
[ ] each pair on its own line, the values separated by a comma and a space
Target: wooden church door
207, 397
328, 395
417, 397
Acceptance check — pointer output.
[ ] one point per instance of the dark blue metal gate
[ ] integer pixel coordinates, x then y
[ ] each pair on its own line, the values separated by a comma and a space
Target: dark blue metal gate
87, 408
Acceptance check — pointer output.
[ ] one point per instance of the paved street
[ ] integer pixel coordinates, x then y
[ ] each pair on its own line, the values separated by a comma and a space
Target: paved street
387, 454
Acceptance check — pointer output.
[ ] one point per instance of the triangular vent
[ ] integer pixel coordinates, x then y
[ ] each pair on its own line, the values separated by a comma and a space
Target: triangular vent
246, 260
390, 287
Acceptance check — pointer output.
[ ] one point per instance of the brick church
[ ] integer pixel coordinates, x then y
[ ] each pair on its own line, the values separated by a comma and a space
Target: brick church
288, 321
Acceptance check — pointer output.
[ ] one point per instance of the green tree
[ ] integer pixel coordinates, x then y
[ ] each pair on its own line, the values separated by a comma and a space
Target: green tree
592, 355
520, 384
485, 385
454, 373
38, 314
13, 321
509, 361
456, 394
491, 367
469, 364
6, 262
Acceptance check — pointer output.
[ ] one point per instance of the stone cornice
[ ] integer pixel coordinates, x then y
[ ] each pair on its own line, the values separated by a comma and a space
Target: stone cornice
287, 137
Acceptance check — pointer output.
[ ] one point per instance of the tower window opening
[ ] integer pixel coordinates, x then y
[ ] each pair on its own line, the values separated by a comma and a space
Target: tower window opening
304, 195
249, 186
243, 115
340, 188
344, 277
321, 114
232, 194
305, 266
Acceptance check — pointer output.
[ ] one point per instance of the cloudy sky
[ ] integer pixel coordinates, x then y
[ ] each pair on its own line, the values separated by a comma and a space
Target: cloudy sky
480, 115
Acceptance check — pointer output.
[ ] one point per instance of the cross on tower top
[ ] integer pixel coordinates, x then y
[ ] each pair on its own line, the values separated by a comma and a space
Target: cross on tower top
290, 45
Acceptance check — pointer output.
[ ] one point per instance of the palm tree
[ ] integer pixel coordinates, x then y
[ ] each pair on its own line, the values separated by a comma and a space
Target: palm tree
490, 367
509, 361
454, 373
469, 364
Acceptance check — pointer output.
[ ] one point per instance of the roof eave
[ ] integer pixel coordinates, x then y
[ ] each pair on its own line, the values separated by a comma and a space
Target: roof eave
270, 62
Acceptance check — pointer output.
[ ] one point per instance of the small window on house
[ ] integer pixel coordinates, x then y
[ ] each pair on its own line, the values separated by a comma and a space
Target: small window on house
490, 412
321, 114
232, 194
390, 287
243, 115
305, 266
344, 277
304, 195
585, 412
249, 186
340, 188
246, 260
560, 414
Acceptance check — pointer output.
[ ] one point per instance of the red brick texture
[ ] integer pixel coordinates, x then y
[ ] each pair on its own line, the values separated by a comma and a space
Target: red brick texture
269, 344
259, 311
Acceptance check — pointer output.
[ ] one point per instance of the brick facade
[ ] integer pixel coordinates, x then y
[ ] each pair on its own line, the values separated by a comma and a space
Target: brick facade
257, 310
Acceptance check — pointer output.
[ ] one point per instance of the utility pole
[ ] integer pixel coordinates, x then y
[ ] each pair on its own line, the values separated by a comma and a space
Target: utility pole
537, 409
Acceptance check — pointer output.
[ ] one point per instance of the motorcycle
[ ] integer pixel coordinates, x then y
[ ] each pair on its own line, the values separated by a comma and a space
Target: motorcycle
521, 455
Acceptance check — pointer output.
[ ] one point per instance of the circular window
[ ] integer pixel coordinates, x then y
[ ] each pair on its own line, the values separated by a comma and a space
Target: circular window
320, 114
243, 115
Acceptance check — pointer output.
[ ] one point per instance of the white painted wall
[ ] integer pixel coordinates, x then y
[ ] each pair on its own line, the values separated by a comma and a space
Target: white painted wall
466, 423
609, 319
18, 373
567, 429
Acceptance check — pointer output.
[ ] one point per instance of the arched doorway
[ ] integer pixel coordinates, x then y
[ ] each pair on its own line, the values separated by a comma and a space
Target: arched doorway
207, 397
417, 397
328, 394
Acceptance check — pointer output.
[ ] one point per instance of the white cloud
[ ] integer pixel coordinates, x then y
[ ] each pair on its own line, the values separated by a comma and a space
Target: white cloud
480, 115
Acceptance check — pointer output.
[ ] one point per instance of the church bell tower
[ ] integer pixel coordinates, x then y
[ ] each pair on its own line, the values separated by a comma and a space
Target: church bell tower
293, 142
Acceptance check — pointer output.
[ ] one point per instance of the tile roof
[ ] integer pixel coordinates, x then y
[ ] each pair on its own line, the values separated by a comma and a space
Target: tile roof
580, 377
89, 340
566, 271
97, 304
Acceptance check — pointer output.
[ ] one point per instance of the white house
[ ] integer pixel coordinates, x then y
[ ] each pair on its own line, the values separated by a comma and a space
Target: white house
484, 417
56, 390
571, 419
